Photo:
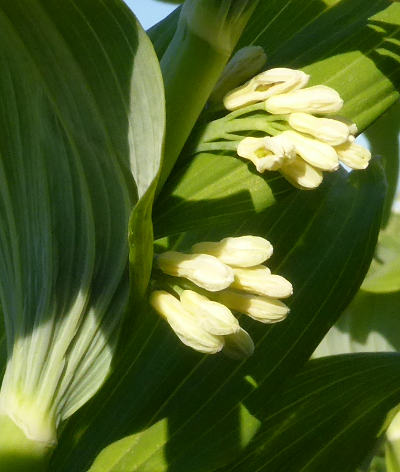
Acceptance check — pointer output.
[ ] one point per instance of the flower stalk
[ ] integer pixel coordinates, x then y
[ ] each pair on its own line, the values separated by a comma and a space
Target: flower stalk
207, 33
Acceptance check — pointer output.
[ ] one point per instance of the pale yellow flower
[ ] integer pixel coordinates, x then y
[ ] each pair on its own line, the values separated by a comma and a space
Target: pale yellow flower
327, 130
184, 324
242, 251
268, 153
264, 85
260, 281
319, 99
202, 269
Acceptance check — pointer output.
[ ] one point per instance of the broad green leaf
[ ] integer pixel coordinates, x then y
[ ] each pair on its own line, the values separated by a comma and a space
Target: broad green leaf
79, 81
372, 321
324, 242
383, 137
384, 274
327, 418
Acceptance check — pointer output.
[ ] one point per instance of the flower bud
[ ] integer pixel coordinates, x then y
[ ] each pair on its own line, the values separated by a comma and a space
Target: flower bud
300, 174
264, 85
243, 251
354, 155
203, 270
260, 281
247, 62
185, 324
318, 99
212, 316
333, 132
264, 309
318, 154
267, 153
238, 345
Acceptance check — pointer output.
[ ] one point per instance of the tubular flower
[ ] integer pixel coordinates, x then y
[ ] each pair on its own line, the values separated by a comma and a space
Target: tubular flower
204, 321
318, 99
354, 155
333, 132
267, 153
243, 251
267, 84
203, 270
298, 144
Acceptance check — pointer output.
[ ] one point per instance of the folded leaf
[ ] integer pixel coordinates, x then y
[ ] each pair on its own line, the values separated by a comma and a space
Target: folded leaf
78, 83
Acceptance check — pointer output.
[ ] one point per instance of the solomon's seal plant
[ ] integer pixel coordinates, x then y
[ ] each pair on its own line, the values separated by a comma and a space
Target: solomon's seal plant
145, 315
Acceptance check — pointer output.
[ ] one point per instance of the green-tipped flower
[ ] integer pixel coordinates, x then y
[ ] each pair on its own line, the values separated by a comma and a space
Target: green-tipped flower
267, 84
243, 251
238, 345
212, 316
316, 153
260, 308
268, 153
209, 314
203, 270
318, 99
185, 324
260, 281
354, 155
302, 175
330, 131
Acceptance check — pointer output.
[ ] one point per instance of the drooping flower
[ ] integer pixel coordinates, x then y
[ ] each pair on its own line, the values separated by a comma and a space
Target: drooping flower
354, 155
204, 321
268, 153
260, 281
318, 99
298, 144
213, 317
260, 308
202, 269
243, 251
185, 325
264, 85
315, 152
327, 130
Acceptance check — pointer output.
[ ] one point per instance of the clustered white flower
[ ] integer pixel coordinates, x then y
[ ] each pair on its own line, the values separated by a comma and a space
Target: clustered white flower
233, 278
312, 143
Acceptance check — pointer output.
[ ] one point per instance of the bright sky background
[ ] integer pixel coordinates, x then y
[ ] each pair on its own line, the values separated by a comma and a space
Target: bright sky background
150, 12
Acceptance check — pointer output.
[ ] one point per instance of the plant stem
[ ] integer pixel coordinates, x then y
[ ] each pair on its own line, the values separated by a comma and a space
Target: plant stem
190, 68
17, 452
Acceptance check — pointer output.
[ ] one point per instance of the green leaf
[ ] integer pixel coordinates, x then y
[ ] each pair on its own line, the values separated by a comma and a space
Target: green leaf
372, 322
383, 137
213, 405
146, 140
79, 81
327, 418
384, 274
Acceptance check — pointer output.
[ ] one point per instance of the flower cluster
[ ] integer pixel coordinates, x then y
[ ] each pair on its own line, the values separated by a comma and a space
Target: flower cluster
226, 276
302, 142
